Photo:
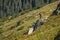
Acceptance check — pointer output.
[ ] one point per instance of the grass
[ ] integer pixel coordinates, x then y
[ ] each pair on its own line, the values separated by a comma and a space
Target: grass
13, 34
47, 32
30, 22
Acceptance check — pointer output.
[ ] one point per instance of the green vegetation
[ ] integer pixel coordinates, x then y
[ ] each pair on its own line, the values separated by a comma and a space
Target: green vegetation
16, 7
16, 27
48, 31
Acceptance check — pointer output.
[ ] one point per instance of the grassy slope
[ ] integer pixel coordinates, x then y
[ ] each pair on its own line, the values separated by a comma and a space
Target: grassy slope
30, 22
44, 12
48, 31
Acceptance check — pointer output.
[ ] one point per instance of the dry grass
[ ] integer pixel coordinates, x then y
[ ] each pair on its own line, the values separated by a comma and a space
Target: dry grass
28, 22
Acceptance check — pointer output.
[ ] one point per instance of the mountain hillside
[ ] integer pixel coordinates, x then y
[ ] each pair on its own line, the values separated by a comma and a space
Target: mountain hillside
17, 28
